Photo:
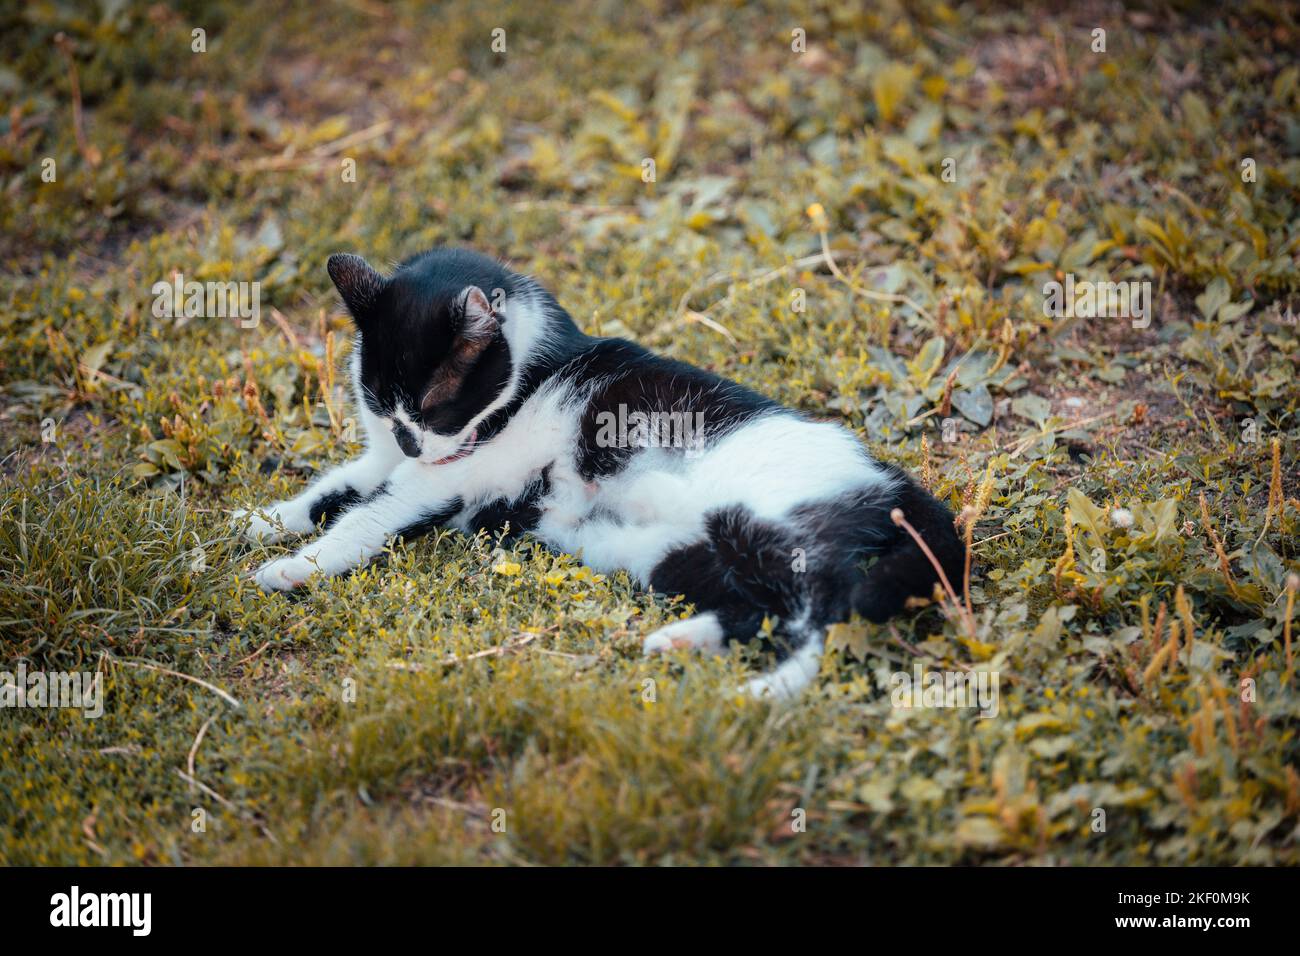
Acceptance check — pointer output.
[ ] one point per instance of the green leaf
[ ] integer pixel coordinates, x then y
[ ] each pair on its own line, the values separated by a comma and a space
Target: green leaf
1032, 407
1196, 113
979, 832
93, 358
1235, 310
975, 403
1158, 518
849, 637
927, 361
1215, 296
890, 86
1087, 515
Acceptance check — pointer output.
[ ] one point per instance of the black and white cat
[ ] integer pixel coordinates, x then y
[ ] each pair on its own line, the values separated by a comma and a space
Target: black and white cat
485, 406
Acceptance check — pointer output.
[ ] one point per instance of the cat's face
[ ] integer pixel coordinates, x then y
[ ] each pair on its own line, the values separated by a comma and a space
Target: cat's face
433, 355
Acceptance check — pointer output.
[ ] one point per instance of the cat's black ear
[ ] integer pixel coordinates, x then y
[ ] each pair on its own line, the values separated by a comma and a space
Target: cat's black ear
358, 284
479, 323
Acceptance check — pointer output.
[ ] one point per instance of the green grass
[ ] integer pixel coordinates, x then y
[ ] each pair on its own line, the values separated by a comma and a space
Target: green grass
468, 701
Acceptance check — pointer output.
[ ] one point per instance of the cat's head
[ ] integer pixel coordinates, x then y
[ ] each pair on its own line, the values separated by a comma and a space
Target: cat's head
433, 351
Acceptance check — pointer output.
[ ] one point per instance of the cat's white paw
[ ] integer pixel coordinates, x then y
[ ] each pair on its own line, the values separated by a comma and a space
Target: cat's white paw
790, 678
254, 526
272, 523
284, 574
699, 633
762, 688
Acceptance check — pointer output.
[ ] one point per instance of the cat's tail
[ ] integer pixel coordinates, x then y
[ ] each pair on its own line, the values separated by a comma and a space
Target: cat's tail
904, 570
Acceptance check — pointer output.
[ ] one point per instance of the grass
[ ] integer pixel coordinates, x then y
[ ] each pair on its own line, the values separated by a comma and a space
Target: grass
472, 701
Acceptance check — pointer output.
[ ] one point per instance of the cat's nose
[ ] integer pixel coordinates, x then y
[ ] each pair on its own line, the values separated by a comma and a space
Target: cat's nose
406, 441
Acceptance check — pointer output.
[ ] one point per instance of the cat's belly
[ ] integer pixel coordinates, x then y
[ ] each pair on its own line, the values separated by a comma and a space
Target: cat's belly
778, 462
769, 467
662, 499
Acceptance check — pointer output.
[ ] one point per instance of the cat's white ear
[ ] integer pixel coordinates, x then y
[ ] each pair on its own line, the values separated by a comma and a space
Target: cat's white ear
357, 282
478, 322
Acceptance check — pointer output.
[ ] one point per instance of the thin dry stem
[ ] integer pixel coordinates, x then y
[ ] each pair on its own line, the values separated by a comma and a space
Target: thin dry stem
899, 519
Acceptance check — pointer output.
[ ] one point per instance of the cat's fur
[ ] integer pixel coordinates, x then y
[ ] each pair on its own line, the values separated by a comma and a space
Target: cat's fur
485, 406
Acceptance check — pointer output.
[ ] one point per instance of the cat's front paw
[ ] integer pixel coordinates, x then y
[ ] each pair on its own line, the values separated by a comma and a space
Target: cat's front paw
270, 524
253, 526
284, 574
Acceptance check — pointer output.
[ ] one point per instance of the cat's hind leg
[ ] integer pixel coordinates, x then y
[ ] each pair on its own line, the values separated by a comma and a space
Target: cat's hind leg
792, 675
741, 571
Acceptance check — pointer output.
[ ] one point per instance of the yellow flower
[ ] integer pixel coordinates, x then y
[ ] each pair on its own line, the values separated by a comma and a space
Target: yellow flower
509, 568
817, 213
